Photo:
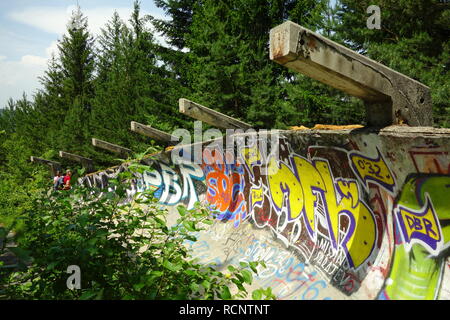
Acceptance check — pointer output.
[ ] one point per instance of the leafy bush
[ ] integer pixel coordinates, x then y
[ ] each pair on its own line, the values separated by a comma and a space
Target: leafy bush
125, 250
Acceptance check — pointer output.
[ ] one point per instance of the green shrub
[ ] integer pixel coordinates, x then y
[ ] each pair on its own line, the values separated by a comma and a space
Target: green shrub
125, 250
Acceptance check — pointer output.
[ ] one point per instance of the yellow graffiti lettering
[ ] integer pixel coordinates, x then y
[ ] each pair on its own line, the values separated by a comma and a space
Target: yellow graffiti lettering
420, 226
375, 170
360, 234
284, 184
349, 191
361, 242
426, 225
257, 196
330, 198
251, 156
340, 199
311, 180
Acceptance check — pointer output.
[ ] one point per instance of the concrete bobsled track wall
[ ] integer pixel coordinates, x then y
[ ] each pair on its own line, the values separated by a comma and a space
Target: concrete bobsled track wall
336, 215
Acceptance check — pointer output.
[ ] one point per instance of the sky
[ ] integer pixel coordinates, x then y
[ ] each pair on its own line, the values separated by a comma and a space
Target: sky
30, 29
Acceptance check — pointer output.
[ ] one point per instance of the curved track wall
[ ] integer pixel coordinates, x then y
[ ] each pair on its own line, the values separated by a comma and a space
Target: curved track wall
335, 215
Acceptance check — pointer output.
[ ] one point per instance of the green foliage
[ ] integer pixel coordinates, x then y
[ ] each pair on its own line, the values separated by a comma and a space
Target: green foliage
125, 250
229, 69
20, 180
176, 29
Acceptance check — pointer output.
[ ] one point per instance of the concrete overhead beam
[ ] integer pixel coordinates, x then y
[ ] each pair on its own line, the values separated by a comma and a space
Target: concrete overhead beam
110, 147
44, 161
210, 116
390, 97
54, 166
153, 133
87, 163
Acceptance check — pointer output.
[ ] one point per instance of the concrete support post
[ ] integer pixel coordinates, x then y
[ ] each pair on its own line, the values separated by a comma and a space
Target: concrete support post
54, 166
153, 133
110, 147
390, 97
210, 116
85, 162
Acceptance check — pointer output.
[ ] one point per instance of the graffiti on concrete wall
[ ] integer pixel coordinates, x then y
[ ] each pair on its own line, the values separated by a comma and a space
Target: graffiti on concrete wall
340, 211
315, 205
430, 159
329, 206
422, 220
225, 184
289, 278
373, 170
172, 186
179, 184
422, 229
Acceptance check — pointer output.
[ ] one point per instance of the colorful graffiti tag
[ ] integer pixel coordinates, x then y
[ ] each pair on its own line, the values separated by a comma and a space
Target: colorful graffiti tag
178, 185
172, 187
338, 214
225, 185
308, 188
320, 213
374, 170
422, 239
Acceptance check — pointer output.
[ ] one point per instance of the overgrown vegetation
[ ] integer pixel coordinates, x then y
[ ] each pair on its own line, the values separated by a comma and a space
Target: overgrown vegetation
125, 250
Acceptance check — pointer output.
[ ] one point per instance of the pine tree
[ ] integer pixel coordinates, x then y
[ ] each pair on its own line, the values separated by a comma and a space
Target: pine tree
111, 110
176, 29
50, 104
76, 59
132, 84
7, 119
229, 66
330, 20
110, 47
76, 56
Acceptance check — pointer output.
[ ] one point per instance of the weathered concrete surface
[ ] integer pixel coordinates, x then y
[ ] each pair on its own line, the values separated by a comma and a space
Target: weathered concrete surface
110, 147
210, 116
153, 133
54, 166
87, 163
390, 97
347, 214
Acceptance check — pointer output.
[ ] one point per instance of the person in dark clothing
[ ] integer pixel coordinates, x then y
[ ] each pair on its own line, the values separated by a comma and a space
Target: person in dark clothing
58, 181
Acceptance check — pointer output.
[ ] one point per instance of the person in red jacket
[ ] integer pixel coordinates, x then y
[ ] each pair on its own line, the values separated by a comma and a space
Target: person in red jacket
67, 177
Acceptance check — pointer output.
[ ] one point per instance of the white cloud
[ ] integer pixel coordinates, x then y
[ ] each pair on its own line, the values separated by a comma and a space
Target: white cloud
33, 60
48, 19
21, 76
17, 76
54, 20
52, 49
